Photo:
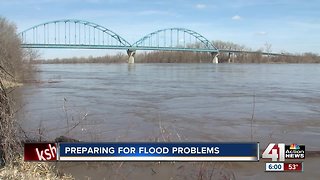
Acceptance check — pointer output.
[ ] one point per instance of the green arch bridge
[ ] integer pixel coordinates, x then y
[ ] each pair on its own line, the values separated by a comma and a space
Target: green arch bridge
80, 34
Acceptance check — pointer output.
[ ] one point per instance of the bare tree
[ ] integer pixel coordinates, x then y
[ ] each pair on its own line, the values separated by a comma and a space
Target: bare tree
267, 47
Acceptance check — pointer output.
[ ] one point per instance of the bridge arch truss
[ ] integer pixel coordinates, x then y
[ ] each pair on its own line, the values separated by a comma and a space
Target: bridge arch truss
175, 39
72, 33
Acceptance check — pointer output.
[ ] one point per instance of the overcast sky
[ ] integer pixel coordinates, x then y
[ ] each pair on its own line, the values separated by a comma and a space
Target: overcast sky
289, 25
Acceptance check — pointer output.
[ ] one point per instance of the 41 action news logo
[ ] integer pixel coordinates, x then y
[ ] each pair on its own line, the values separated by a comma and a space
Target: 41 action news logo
280, 152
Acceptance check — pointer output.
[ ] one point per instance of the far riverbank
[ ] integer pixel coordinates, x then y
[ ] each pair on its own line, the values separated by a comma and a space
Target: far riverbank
187, 57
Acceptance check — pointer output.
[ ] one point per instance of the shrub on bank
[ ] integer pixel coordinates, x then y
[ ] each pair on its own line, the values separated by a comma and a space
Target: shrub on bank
15, 67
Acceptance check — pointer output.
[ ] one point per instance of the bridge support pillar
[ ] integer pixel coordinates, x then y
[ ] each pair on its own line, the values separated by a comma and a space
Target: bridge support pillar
231, 57
215, 59
131, 54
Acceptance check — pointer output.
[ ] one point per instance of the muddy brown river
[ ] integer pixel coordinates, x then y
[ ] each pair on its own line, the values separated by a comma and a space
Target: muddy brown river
175, 102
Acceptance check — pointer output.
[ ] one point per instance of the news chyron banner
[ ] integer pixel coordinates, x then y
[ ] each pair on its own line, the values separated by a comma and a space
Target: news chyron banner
141, 151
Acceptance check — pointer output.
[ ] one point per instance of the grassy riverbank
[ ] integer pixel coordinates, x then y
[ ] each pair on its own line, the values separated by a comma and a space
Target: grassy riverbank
10, 84
31, 170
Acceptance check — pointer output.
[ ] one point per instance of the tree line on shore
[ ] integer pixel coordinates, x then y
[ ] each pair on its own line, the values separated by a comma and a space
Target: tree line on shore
15, 68
15, 62
193, 57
